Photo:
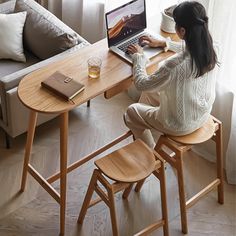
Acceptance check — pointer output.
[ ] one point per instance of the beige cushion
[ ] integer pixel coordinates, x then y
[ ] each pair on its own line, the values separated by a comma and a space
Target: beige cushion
44, 34
11, 32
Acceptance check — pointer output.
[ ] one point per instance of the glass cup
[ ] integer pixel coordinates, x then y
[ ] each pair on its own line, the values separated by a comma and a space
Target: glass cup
94, 67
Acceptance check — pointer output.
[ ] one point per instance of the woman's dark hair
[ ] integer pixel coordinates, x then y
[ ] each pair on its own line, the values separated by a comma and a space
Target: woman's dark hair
192, 17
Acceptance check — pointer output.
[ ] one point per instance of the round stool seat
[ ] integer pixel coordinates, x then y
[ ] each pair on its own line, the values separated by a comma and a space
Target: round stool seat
199, 136
129, 164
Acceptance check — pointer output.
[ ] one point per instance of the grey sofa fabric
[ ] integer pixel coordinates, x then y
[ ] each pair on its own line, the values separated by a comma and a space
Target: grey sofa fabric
9, 66
13, 114
44, 34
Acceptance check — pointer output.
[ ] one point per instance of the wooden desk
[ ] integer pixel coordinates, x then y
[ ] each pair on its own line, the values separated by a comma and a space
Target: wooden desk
115, 76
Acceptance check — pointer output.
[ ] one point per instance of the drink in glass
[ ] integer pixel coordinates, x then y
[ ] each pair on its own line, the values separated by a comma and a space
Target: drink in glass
94, 67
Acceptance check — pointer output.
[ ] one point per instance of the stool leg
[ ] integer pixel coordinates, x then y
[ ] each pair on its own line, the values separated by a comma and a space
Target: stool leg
7, 139
161, 176
182, 201
110, 192
127, 191
178, 165
219, 162
88, 197
139, 186
88, 103
164, 200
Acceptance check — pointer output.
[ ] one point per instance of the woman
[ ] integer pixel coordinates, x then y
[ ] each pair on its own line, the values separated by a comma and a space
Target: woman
177, 99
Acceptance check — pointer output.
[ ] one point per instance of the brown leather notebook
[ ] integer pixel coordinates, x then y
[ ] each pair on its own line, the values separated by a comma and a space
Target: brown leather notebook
62, 85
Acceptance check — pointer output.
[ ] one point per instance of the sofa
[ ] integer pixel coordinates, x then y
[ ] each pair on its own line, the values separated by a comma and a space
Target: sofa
40, 50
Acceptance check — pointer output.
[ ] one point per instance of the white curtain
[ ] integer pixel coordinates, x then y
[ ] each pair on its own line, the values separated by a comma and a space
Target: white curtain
84, 16
54, 6
92, 20
222, 25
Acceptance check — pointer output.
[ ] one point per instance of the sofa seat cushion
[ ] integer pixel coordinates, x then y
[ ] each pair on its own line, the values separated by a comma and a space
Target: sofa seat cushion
8, 66
44, 34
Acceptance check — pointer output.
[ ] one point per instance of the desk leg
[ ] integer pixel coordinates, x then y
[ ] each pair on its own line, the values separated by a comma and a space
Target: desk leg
63, 168
28, 146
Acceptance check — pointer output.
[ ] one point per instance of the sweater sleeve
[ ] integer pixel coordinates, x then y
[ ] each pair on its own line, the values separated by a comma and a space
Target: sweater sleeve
158, 80
174, 46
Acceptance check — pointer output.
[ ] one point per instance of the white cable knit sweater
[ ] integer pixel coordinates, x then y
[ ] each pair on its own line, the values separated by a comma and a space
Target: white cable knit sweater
186, 101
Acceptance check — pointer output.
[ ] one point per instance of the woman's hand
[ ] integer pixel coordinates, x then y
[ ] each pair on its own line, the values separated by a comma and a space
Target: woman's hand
134, 49
151, 42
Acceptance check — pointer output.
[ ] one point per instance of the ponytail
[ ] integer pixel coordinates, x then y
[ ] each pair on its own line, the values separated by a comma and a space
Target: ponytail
192, 17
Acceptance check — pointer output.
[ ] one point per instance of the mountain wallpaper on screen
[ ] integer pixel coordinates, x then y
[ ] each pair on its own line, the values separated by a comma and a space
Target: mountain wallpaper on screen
128, 25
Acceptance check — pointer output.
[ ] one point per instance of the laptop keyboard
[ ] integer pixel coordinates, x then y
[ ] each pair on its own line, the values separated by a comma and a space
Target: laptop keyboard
123, 47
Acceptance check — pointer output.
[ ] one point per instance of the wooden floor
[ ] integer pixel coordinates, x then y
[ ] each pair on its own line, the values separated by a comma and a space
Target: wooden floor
35, 213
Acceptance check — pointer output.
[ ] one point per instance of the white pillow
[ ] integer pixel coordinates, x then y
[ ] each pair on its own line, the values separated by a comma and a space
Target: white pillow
11, 36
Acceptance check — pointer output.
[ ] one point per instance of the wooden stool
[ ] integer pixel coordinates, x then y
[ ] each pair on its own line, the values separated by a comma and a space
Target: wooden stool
126, 166
211, 130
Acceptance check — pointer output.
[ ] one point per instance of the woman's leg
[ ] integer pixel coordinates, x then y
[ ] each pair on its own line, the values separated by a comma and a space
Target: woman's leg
136, 115
135, 120
140, 118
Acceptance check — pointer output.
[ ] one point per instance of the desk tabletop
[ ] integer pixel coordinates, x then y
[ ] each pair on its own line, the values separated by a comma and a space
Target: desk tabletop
114, 70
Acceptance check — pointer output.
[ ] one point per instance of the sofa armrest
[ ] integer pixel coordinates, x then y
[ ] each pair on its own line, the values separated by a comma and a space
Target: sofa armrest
11, 81
18, 115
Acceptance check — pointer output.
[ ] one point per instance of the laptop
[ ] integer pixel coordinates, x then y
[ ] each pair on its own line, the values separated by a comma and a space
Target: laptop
125, 25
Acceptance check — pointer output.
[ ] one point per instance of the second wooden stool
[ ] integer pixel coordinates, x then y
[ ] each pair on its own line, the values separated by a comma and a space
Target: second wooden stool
126, 166
212, 129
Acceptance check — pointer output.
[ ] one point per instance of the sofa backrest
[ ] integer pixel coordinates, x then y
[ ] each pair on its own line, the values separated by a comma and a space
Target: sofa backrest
7, 7
44, 34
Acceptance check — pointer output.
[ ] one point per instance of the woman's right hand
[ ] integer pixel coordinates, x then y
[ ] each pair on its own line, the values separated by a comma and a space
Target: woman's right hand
151, 42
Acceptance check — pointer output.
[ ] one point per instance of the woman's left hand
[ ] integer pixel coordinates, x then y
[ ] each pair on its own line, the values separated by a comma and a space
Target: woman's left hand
134, 49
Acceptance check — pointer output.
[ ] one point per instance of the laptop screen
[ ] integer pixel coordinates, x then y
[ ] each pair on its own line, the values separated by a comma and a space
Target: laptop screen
125, 21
